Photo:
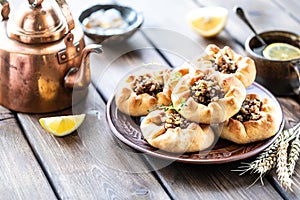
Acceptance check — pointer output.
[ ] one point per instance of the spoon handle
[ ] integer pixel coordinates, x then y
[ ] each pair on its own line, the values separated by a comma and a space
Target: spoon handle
240, 12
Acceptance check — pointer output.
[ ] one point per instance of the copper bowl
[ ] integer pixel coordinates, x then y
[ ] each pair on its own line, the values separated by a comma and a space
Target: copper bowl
129, 15
279, 76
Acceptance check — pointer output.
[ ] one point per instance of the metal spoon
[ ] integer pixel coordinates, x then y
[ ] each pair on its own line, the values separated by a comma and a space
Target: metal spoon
240, 12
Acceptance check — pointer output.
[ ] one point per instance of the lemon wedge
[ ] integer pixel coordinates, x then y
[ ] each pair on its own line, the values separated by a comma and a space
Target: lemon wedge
281, 51
62, 125
208, 21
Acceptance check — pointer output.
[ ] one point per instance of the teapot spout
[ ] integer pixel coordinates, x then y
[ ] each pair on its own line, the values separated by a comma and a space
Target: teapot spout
80, 78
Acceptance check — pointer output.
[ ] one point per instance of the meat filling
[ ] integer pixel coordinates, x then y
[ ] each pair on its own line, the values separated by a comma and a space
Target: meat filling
250, 110
224, 64
205, 91
147, 84
174, 119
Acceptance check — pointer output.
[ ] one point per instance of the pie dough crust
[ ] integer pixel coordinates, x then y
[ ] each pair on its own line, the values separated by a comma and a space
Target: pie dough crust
215, 112
176, 140
246, 70
253, 130
133, 104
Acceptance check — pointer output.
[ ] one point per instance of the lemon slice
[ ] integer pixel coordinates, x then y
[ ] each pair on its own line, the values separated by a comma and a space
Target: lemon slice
281, 51
62, 125
208, 21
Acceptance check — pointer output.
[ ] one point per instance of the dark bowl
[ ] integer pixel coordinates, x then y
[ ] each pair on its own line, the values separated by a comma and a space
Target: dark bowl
279, 76
129, 15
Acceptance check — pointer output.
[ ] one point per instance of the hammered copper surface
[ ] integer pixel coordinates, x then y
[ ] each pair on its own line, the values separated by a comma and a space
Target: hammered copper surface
31, 77
36, 24
127, 130
40, 76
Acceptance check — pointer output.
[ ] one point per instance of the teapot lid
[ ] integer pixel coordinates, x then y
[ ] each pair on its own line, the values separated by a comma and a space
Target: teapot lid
36, 24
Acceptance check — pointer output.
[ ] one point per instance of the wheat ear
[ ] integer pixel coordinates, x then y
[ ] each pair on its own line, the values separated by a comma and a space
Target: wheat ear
282, 170
293, 155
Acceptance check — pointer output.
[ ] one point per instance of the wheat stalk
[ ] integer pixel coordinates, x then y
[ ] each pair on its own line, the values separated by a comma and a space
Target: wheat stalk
267, 159
282, 170
276, 155
293, 155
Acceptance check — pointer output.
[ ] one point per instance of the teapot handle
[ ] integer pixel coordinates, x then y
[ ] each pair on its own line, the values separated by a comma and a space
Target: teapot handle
5, 9
296, 66
64, 9
67, 14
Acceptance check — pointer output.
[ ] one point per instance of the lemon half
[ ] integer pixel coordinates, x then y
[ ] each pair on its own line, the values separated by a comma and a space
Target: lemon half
62, 125
208, 21
281, 51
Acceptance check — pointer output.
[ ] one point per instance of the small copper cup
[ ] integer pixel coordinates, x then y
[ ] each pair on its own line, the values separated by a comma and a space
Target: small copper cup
281, 77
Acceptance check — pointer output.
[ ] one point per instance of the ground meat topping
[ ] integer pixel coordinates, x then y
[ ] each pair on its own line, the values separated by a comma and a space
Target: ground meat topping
250, 110
174, 119
147, 84
224, 64
206, 90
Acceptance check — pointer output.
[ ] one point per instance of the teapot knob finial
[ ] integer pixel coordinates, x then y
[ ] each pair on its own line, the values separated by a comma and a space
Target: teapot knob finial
35, 3
5, 9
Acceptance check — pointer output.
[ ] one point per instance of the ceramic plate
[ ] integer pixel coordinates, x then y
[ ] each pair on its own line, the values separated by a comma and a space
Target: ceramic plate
127, 129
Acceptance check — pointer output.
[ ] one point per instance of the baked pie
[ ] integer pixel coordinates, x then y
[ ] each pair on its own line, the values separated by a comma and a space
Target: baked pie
208, 97
256, 120
141, 93
167, 130
227, 61
176, 74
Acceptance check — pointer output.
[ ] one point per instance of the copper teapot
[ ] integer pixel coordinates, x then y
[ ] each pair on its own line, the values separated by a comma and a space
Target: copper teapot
44, 61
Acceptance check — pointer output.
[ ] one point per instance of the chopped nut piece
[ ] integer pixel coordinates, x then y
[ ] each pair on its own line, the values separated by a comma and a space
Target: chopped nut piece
223, 63
147, 84
250, 110
206, 90
174, 119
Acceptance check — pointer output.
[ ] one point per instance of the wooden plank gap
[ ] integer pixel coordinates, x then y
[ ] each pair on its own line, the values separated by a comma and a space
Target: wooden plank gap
144, 157
6, 115
289, 12
276, 186
6, 118
158, 177
198, 3
99, 92
38, 159
235, 40
157, 49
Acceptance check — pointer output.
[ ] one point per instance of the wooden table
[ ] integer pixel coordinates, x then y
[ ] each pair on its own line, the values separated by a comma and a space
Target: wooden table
92, 163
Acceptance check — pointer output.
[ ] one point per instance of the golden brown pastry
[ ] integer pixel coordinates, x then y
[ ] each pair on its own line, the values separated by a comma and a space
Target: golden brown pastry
176, 74
228, 62
141, 93
169, 131
208, 97
257, 120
